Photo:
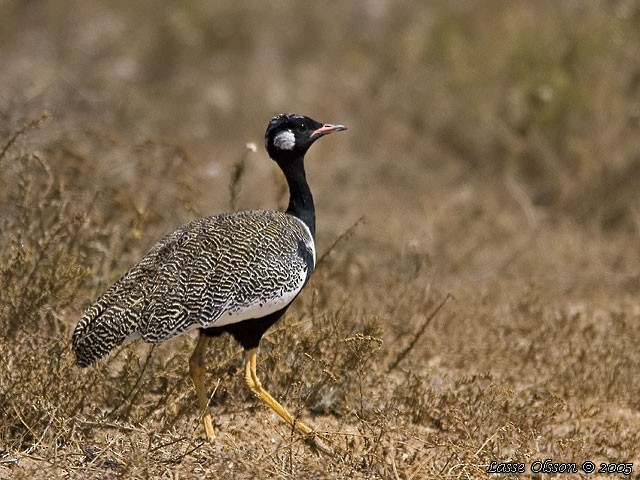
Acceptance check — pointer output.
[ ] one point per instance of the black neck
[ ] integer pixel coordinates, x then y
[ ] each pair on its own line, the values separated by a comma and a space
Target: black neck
300, 198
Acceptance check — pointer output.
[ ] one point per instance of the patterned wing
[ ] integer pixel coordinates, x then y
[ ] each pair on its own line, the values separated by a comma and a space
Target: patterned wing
227, 269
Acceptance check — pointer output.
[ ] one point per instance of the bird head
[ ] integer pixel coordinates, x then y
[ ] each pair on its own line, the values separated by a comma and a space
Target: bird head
290, 136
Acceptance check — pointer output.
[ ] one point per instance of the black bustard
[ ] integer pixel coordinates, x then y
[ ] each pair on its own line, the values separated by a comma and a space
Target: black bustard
235, 273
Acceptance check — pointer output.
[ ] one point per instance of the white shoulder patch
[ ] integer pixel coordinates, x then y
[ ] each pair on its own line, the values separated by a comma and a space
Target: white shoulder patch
285, 140
309, 243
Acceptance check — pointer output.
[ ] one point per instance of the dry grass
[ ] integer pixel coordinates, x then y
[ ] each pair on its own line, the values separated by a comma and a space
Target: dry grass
485, 309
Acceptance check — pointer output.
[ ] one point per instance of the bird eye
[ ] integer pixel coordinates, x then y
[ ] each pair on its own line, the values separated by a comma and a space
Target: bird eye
301, 128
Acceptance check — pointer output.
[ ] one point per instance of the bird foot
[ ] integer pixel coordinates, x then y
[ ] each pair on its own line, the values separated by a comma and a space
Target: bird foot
319, 444
208, 428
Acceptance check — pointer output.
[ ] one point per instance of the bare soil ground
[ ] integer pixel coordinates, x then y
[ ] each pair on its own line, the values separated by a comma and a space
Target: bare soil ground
477, 299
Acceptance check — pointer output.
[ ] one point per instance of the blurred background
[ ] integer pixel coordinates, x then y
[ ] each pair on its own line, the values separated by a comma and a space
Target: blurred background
474, 126
493, 154
488, 136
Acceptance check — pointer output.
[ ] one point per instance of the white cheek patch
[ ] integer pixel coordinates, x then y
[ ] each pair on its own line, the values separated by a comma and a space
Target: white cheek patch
285, 140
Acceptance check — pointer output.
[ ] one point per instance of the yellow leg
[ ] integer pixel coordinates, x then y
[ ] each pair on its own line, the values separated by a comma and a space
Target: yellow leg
196, 369
254, 384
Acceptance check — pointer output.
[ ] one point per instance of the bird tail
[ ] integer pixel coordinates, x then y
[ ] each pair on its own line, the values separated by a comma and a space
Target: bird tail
102, 328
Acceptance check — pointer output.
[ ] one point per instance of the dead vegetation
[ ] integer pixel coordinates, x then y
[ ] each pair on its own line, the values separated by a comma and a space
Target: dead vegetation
485, 309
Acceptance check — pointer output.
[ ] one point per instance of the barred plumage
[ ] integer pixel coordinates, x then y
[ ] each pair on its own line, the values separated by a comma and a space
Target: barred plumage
234, 273
210, 272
